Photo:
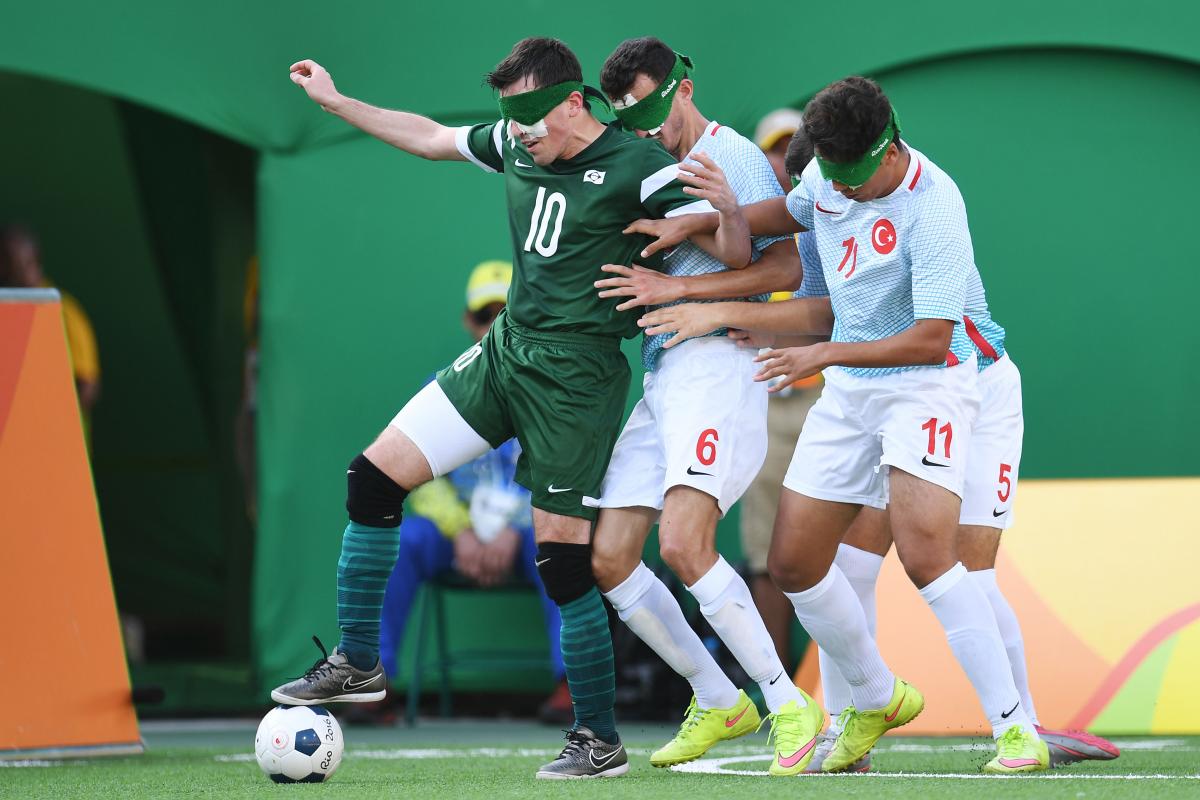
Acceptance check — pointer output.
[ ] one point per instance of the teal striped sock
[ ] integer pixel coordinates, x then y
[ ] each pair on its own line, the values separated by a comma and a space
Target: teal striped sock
587, 654
368, 555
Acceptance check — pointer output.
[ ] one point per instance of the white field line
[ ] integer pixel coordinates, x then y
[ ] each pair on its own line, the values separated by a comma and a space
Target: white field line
716, 766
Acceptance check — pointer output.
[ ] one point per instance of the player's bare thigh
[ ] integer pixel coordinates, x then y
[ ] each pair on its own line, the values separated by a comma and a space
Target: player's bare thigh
687, 532
977, 546
399, 458
551, 527
924, 521
621, 535
870, 531
805, 540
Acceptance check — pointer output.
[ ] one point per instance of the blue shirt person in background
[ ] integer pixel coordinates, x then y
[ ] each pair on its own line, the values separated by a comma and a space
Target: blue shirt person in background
476, 521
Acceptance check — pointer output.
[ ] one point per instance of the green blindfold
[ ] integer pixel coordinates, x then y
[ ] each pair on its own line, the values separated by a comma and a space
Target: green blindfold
529, 108
649, 113
856, 173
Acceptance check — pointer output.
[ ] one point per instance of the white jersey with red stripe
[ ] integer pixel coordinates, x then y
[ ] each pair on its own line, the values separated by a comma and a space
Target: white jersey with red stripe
891, 261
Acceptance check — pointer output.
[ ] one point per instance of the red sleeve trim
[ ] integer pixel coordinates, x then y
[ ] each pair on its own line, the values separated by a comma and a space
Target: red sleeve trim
951, 359
912, 184
984, 346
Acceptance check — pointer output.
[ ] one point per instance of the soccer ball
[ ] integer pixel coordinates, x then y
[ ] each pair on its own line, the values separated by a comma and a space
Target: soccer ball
298, 744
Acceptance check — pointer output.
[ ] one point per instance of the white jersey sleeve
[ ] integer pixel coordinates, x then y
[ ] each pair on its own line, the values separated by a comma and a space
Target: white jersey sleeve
941, 256
813, 283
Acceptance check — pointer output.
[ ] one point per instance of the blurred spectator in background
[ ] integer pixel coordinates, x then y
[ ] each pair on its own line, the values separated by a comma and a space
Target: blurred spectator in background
21, 268
476, 521
785, 417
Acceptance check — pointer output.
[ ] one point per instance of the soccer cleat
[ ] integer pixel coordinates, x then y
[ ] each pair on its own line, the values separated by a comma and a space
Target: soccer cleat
586, 756
862, 729
821, 752
794, 731
333, 679
1018, 751
1070, 746
704, 727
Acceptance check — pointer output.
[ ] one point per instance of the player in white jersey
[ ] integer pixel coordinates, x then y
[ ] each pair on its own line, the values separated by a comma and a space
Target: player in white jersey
989, 493
892, 426
696, 438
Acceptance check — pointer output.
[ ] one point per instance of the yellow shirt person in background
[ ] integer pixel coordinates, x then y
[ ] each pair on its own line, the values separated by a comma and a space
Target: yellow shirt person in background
21, 268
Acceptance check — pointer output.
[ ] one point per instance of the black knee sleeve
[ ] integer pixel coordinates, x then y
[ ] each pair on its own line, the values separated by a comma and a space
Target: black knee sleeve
566, 570
372, 498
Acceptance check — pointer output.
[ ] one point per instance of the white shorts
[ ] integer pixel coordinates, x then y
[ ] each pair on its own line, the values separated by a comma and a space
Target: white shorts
919, 421
701, 422
995, 458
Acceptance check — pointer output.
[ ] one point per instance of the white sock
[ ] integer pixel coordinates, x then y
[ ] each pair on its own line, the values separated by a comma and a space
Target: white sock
1010, 634
861, 569
966, 616
646, 605
833, 617
726, 603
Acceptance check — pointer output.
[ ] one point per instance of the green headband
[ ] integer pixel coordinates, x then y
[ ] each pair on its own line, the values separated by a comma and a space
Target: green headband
649, 113
856, 173
529, 107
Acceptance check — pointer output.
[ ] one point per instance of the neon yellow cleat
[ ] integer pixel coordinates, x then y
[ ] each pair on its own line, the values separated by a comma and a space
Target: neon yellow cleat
795, 732
1018, 750
704, 727
862, 729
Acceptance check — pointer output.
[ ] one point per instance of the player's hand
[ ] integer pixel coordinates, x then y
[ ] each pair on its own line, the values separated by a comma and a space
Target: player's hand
315, 81
468, 555
791, 364
667, 233
707, 181
686, 321
752, 339
643, 287
496, 558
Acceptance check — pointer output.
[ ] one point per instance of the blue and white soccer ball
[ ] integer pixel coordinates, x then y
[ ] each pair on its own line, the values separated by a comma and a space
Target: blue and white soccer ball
298, 744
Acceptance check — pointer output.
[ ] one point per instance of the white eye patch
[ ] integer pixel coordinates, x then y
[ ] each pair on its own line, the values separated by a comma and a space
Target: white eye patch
537, 130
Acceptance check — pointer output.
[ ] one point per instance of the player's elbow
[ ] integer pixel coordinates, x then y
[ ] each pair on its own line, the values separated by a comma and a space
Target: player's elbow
933, 340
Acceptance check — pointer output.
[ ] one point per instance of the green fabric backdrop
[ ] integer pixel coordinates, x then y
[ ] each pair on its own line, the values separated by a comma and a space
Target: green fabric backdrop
1033, 107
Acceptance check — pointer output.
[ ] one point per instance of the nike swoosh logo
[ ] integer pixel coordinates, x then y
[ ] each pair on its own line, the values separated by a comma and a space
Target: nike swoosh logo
925, 460
1010, 711
552, 489
794, 758
777, 677
729, 723
1013, 763
539, 563
350, 685
604, 760
825, 210
519, 164
999, 513
894, 714
691, 471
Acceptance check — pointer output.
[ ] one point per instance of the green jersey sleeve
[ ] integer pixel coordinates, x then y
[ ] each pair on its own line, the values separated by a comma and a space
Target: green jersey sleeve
482, 145
662, 194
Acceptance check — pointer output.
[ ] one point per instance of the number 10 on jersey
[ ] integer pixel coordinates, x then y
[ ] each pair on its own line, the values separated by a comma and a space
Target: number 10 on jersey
543, 209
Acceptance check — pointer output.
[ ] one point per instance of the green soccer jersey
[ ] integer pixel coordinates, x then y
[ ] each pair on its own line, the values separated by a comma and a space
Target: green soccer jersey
566, 221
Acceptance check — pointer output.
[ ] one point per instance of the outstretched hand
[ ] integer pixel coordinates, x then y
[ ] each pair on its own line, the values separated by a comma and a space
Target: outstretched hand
316, 81
685, 320
707, 181
667, 233
643, 287
790, 364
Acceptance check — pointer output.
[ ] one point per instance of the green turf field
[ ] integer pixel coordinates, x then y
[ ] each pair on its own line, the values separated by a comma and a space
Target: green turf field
463, 759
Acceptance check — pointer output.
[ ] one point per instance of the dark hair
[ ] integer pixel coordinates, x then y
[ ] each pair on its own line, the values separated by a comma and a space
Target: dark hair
846, 117
544, 61
10, 234
799, 152
646, 55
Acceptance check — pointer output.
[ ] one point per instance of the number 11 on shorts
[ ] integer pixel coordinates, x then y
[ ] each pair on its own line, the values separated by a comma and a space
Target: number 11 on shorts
946, 431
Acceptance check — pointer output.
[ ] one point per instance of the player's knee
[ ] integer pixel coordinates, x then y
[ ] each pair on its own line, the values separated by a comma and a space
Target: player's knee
791, 574
608, 568
565, 570
925, 568
686, 556
372, 498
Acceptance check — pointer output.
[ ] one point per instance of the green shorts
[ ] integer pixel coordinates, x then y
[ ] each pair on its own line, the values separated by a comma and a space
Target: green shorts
561, 394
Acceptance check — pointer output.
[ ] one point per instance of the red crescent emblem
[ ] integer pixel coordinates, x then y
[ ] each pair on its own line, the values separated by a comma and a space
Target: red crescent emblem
883, 236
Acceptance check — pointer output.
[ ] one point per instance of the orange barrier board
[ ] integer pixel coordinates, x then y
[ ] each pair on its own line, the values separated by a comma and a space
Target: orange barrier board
62, 633
1100, 574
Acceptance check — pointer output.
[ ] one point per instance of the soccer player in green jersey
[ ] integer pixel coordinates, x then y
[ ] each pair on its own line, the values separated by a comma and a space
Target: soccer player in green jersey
550, 371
